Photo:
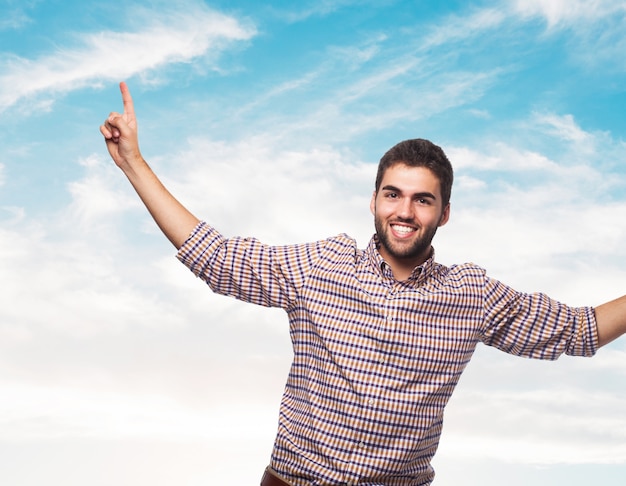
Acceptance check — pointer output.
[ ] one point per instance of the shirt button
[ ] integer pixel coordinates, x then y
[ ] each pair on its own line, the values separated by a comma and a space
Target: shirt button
361, 445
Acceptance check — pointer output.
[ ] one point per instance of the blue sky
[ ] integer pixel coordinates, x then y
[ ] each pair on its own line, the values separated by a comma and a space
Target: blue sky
268, 119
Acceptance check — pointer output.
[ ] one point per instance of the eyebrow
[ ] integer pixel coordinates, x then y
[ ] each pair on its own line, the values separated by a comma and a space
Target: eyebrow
424, 194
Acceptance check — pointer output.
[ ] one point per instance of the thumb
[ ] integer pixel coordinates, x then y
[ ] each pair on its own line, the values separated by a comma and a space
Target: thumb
118, 126
123, 140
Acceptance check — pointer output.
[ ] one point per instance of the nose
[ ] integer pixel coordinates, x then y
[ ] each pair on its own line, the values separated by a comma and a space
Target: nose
405, 209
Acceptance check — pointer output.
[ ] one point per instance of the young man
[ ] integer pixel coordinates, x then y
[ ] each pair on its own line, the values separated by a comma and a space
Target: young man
380, 335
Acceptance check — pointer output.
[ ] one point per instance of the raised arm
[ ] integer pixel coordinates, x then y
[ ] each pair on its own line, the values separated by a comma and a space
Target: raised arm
120, 133
611, 320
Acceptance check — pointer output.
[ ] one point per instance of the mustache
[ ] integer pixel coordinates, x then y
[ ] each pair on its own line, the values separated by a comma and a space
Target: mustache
404, 220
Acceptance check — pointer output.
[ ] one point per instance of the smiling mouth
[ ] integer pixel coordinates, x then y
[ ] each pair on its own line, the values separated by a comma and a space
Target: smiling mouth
402, 230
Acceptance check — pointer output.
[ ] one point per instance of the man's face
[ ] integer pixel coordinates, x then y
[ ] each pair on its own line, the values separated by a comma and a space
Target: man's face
407, 211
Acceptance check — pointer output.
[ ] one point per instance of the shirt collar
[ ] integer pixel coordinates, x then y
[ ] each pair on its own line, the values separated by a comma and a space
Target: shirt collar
382, 268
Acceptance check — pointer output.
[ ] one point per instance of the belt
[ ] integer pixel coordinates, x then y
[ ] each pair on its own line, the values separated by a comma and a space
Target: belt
271, 478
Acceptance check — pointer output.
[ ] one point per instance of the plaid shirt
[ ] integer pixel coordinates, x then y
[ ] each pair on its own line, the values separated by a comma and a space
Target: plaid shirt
375, 359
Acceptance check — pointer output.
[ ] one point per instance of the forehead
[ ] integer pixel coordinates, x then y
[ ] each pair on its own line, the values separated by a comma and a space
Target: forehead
411, 180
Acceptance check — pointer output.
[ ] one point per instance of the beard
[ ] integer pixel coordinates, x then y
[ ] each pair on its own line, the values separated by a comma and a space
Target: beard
413, 250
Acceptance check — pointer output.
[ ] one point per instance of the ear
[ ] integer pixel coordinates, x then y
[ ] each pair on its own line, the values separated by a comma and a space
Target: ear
373, 203
445, 215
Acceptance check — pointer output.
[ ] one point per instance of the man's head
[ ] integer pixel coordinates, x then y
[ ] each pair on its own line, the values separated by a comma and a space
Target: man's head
419, 153
410, 202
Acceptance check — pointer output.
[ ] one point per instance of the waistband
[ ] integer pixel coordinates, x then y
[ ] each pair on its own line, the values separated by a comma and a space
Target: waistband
272, 478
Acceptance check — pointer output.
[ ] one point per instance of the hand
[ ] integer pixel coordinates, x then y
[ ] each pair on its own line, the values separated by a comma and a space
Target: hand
120, 132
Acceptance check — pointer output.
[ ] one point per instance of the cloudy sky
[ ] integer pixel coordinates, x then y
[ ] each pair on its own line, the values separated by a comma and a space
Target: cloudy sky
117, 367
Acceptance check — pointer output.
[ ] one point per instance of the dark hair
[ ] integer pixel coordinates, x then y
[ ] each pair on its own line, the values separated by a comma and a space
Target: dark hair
419, 153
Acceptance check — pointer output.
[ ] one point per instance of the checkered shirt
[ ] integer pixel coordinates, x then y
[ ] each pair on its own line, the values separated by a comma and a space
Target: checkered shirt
375, 359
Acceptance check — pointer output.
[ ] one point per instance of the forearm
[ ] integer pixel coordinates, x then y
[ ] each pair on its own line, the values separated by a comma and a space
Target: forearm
120, 133
174, 220
611, 320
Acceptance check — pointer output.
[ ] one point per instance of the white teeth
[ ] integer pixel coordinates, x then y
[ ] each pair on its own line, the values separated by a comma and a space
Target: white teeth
403, 229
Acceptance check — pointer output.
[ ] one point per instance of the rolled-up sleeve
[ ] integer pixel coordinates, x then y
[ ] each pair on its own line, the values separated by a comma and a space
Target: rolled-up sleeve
536, 326
246, 269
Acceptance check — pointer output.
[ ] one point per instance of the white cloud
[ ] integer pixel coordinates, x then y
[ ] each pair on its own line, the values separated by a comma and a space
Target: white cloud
500, 157
317, 8
457, 28
173, 35
534, 412
256, 187
577, 157
593, 29
73, 292
563, 127
14, 17
31, 412
539, 222
567, 12
73, 265
99, 195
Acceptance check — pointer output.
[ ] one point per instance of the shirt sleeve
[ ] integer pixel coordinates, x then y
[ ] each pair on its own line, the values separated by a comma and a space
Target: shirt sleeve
536, 326
246, 269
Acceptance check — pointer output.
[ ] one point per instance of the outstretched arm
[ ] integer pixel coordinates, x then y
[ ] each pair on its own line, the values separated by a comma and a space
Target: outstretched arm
120, 134
611, 320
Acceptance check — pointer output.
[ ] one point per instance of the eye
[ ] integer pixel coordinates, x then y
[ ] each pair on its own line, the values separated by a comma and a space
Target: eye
391, 195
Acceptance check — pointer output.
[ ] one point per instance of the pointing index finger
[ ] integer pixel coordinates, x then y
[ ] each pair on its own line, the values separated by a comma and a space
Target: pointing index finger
129, 108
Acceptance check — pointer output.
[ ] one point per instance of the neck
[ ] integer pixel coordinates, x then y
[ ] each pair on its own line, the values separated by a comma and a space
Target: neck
402, 268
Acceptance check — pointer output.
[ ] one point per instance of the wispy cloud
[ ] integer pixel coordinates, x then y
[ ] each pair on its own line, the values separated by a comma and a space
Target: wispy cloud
168, 36
458, 28
595, 28
568, 12
564, 127
14, 15
318, 8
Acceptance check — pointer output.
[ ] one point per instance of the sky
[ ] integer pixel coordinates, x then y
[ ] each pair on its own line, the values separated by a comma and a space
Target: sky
267, 119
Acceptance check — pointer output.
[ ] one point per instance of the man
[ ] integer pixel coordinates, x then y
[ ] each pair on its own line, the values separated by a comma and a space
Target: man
380, 335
